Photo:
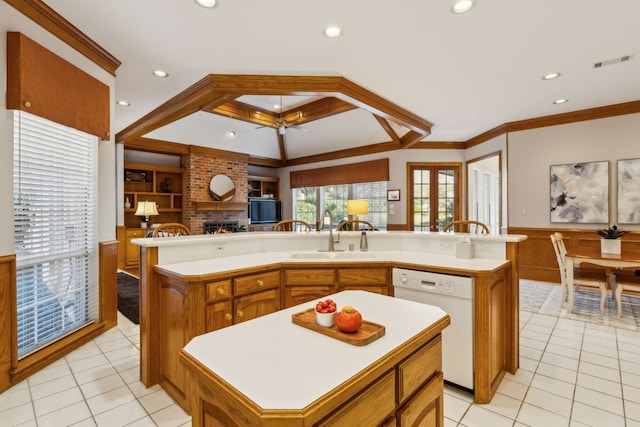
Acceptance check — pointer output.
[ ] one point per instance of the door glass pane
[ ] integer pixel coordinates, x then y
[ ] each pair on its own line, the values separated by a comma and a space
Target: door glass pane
446, 196
421, 200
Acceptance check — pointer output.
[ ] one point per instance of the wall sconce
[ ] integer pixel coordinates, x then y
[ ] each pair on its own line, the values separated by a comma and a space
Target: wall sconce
357, 207
146, 209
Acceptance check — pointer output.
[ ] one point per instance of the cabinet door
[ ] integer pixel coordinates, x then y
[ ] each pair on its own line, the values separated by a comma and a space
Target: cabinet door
298, 294
219, 315
426, 408
132, 252
255, 305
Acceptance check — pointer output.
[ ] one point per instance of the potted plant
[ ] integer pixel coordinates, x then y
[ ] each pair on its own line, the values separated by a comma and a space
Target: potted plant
610, 242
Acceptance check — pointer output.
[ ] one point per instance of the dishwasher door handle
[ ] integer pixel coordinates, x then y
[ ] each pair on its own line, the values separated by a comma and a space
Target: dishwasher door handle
427, 285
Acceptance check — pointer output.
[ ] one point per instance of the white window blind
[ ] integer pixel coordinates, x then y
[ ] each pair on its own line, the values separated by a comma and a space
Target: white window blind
55, 225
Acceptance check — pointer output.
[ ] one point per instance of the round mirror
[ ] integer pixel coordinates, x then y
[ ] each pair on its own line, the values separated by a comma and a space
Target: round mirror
222, 188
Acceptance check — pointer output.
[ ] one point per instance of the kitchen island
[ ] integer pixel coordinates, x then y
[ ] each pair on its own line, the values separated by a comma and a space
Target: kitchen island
272, 372
197, 284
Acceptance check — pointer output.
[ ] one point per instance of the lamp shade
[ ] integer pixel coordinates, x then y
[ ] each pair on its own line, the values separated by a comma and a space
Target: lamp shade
146, 209
357, 207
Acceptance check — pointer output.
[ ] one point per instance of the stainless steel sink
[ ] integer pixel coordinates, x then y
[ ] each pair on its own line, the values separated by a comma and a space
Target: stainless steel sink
332, 255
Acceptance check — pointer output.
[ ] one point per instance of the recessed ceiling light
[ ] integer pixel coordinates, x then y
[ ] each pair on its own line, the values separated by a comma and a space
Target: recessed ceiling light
231, 133
462, 6
160, 73
560, 101
332, 32
123, 103
551, 76
207, 3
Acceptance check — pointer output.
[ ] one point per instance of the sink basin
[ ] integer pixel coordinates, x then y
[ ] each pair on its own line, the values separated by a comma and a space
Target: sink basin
332, 255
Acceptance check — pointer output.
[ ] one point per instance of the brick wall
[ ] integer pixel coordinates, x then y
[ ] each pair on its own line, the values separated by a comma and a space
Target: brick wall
199, 169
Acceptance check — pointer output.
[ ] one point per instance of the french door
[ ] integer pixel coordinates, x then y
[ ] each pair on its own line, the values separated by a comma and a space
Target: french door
434, 198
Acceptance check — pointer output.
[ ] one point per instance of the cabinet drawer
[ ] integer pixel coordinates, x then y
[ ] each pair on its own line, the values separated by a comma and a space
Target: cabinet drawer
136, 233
426, 407
352, 276
369, 408
218, 290
319, 276
256, 282
419, 367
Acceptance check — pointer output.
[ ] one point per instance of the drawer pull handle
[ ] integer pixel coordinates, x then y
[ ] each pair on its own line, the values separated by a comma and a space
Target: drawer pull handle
259, 283
239, 313
228, 316
220, 291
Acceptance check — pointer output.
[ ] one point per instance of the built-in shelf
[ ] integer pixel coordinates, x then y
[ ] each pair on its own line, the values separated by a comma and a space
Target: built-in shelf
220, 206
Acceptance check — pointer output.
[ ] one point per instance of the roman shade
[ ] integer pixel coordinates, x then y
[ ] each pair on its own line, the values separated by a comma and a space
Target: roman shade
372, 171
43, 84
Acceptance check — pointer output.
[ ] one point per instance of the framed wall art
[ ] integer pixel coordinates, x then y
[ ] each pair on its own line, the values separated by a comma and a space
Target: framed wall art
580, 192
393, 195
629, 191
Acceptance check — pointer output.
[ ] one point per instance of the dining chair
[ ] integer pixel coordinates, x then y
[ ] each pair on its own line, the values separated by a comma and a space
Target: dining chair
581, 277
466, 225
627, 284
170, 229
292, 225
355, 225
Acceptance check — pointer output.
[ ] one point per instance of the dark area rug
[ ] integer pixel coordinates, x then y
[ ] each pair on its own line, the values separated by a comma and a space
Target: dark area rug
128, 297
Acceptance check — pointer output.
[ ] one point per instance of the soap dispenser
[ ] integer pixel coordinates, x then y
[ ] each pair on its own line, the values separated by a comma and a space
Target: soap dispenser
363, 241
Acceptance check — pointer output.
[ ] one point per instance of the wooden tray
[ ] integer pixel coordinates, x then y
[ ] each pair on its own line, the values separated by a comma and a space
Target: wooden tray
367, 333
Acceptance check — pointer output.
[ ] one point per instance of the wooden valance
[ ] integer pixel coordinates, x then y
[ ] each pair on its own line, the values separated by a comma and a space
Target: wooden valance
372, 171
42, 83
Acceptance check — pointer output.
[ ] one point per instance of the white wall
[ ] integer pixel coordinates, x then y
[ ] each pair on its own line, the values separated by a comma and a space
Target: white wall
532, 152
11, 20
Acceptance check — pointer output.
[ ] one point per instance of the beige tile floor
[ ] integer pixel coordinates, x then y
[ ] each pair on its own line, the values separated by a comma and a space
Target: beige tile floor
572, 373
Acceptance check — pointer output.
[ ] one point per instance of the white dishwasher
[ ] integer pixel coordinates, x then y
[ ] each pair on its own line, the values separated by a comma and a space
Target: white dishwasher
453, 294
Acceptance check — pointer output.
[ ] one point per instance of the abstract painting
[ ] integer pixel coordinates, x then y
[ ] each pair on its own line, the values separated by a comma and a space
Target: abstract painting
629, 191
580, 192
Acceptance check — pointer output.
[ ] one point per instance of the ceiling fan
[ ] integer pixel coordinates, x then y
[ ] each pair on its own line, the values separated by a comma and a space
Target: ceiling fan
282, 124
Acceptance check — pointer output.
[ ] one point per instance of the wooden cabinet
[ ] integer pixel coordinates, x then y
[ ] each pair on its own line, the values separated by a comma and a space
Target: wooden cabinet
132, 252
256, 295
160, 184
263, 185
307, 284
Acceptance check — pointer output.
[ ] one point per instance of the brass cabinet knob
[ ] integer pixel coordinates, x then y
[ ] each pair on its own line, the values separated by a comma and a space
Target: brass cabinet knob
228, 316
259, 283
239, 313
220, 291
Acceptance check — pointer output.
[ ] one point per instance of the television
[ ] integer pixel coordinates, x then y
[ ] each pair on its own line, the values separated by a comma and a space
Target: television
264, 210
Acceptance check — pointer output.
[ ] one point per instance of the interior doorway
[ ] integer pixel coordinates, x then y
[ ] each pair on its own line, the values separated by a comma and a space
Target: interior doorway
484, 190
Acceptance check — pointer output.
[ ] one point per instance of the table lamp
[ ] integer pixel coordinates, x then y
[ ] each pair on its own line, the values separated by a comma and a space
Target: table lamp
357, 207
146, 209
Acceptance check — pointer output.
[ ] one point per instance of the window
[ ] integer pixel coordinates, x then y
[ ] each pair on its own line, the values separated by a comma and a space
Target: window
311, 201
55, 226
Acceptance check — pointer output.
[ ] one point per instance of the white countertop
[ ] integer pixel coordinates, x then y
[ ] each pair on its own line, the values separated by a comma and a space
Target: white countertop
280, 365
235, 262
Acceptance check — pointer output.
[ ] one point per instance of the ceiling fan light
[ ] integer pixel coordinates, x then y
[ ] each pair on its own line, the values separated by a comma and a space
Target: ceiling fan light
281, 130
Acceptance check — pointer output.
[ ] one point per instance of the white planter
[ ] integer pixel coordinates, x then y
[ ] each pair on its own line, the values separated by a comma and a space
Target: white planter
610, 246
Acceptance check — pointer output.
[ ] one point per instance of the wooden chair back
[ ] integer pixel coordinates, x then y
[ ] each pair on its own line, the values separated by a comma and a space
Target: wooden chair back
169, 229
466, 225
580, 278
355, 225
292, 225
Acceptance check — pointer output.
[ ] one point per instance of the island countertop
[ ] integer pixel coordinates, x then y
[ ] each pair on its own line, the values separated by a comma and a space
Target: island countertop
278, 364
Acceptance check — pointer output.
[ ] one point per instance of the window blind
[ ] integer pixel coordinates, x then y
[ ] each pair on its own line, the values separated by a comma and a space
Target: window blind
55, 230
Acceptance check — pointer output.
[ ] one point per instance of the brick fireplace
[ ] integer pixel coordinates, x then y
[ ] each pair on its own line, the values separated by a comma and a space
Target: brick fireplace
200, 166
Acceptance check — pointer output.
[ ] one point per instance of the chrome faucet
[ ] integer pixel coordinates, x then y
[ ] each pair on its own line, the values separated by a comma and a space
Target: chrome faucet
332, 242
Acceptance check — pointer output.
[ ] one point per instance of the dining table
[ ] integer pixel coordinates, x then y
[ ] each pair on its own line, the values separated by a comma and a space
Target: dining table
629, 257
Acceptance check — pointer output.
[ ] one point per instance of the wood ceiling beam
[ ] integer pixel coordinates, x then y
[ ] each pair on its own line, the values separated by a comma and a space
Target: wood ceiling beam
411, 138
389, 130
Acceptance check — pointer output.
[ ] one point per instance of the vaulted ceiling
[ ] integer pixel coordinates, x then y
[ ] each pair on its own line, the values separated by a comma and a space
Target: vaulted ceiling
424, 73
